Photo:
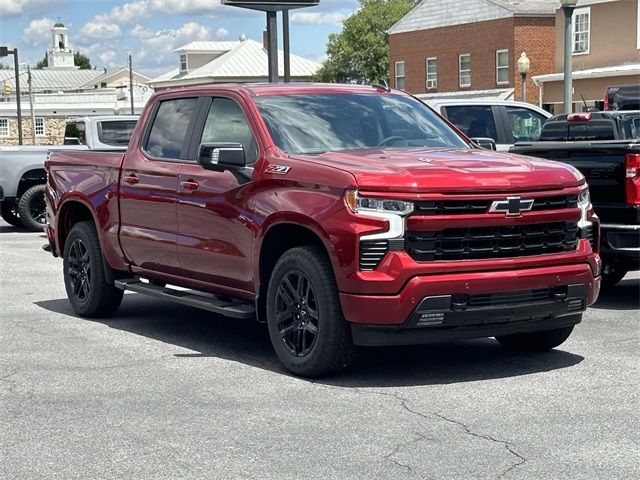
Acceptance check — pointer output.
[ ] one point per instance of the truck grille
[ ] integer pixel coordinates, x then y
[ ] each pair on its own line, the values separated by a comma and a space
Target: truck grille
492, 242
467, 207
587, 233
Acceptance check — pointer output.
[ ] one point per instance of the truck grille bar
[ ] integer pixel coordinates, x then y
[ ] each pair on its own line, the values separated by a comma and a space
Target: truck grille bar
469, 207
492, 242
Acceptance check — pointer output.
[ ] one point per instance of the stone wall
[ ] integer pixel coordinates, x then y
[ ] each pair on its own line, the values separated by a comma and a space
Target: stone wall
53, 129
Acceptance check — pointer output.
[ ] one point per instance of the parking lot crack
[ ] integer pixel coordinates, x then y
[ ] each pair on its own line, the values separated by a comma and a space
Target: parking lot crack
520, 460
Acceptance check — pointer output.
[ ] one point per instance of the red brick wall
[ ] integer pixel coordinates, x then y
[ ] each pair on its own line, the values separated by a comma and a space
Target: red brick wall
481, 40
536, 37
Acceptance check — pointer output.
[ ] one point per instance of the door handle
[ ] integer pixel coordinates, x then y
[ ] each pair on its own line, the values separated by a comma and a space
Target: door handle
190, 185
131, 179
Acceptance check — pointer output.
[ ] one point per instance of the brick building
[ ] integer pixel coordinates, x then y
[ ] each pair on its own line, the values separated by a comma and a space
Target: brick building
472, 46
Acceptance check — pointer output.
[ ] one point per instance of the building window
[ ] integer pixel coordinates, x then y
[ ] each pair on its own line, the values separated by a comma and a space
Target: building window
183, 63
103, 84
502, 67
465, 70
39, 127
432, 73
4, 127
581, 30
400, 75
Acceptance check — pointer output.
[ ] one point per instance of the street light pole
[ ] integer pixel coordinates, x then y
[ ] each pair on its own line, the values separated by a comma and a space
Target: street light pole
4, 51
568, 6
524, 64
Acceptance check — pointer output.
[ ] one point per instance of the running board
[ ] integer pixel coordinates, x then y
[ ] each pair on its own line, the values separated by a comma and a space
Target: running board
233, 308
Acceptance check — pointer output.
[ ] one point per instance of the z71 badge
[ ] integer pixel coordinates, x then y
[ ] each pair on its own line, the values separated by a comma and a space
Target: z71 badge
278, 169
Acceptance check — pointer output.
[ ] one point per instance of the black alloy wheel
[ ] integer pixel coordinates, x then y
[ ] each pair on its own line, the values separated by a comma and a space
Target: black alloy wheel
79, 270
33, 209
297, 313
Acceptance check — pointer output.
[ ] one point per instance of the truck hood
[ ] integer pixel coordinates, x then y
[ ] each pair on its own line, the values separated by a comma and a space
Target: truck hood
448, 170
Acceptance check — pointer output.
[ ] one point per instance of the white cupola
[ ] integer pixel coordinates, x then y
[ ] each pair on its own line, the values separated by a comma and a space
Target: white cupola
60, 55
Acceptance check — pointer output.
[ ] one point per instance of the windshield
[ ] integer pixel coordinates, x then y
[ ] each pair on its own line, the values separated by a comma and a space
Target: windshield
316, 123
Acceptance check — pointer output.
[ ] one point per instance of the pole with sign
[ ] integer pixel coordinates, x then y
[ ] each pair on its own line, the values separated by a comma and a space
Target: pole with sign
272, 7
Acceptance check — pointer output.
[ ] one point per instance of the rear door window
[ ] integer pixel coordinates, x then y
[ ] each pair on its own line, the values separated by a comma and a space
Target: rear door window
474, 120
168, 137
525, 124
116, 133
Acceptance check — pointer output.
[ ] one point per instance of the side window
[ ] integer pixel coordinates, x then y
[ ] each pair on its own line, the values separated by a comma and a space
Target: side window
475, 121
168, 133
525, 124
75, 133
226, 123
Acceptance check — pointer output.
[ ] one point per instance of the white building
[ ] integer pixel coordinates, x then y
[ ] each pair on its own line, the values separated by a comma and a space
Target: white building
61, 91
242, 61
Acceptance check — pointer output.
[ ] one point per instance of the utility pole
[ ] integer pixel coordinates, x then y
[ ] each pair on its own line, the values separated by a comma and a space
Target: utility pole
131, 84
568, 6
33, 116
272, 39
286, 46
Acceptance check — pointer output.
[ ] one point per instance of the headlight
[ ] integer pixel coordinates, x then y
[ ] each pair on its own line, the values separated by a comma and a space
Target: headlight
365, 205
584, 199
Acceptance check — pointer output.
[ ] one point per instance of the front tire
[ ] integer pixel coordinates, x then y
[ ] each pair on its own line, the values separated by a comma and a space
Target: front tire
307, 329
9, 213
536, 341
87, 288
32, 209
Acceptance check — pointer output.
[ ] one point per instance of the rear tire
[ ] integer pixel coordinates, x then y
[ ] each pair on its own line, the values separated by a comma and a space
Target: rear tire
9, 213
535, 341
87, 288
306, 325
32, 209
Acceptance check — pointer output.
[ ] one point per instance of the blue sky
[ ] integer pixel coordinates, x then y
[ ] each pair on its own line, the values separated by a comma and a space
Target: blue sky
106, 30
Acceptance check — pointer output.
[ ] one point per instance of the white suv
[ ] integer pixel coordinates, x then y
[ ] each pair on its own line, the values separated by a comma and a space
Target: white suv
504, 121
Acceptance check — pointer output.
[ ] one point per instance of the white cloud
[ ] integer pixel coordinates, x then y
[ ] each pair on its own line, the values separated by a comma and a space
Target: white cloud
222, 32
97, 29
12, 8
317, 18
38, 32
157, 46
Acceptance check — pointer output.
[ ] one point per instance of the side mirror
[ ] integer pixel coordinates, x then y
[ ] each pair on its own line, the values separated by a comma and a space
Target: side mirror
222, 156
486, 143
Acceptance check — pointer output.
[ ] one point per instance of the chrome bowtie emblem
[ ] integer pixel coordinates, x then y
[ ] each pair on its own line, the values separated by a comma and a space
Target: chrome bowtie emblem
511, 206
424, 160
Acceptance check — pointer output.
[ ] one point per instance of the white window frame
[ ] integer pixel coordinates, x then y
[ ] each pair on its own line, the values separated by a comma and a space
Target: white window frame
186, 65
503, 67
431, 83
576, 13
463, 85
37, 127
403, 76
5, 130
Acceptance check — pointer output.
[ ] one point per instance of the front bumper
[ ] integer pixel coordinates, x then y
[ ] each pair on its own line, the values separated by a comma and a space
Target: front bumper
451, 302
621, 243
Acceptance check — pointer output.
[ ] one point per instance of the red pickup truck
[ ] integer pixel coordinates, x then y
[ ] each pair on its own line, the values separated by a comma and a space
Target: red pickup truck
340, 215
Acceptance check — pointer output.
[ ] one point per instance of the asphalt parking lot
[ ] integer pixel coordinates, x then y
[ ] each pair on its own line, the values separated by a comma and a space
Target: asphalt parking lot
164, 391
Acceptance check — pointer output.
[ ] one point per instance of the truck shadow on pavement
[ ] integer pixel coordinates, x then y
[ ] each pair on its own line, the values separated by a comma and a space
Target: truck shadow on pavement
208, 335
624, 296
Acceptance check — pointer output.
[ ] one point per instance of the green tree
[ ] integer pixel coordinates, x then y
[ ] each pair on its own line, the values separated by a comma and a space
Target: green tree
4, 67
360, 52
79, 59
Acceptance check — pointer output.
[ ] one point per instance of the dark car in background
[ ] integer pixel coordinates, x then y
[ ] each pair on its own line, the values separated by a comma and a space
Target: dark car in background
622, 97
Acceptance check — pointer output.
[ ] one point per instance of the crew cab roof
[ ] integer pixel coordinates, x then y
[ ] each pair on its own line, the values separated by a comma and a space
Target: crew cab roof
260, 89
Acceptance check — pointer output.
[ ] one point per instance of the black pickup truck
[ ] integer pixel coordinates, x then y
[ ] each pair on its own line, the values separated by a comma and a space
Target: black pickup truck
605, 147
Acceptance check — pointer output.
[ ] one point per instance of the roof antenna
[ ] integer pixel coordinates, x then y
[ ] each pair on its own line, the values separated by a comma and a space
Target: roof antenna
382, 84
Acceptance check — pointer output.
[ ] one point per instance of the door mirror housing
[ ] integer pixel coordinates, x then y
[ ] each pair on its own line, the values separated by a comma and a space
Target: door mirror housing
485, 142
222, 156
